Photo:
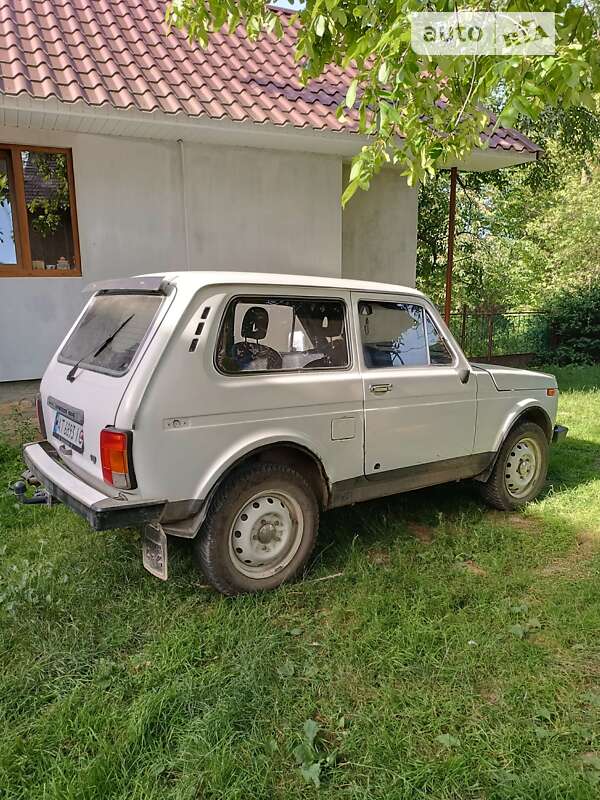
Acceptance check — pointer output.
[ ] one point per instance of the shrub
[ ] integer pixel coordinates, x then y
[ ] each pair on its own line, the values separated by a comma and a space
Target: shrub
575, 326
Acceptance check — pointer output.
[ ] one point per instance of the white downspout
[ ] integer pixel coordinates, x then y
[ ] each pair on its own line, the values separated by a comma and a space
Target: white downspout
186, 229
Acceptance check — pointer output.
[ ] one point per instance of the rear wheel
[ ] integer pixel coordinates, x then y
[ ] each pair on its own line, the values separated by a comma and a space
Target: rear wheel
520, 471
260, 530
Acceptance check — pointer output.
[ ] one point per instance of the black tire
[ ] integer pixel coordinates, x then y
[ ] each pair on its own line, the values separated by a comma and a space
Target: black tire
496, 491
214, 545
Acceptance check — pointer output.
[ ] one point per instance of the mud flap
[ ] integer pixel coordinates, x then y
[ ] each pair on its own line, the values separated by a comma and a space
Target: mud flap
154, 551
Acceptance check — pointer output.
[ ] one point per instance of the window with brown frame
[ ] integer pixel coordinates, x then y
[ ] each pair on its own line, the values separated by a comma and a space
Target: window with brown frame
38, 219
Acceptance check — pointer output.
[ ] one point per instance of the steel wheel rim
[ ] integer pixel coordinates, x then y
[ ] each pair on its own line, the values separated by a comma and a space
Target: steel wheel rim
266, 534
522, 467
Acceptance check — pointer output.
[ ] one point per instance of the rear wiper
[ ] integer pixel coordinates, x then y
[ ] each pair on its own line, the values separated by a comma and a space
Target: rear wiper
71, 375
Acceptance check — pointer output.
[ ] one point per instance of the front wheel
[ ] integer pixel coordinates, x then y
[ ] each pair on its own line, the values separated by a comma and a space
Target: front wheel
260, 530
520, 471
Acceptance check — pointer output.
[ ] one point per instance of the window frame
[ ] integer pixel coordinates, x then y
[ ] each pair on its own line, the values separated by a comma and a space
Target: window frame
443, 339
291, 297
24, 266
425, 309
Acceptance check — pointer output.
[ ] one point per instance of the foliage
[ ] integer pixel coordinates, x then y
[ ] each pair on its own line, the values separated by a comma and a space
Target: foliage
575, 315
530, 227
420, 112
567, 231
309, 757
48, 207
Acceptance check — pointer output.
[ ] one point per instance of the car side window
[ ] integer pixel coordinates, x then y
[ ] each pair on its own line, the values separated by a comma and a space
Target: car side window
439, 354
393, 334
275, 334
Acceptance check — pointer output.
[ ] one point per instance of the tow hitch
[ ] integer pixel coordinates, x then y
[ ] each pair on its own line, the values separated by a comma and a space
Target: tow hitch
40, 496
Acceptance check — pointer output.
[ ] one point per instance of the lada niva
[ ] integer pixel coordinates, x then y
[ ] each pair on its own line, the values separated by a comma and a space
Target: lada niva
233, 408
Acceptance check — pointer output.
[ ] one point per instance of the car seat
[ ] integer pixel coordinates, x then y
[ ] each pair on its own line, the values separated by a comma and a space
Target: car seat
255, 325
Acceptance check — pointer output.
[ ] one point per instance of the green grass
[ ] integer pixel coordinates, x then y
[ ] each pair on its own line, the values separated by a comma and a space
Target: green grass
114, 685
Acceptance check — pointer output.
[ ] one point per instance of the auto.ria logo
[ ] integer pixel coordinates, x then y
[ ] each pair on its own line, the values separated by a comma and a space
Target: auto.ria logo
465, 33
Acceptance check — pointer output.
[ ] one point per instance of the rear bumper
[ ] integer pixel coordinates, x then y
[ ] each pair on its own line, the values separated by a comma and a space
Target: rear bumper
559, 433
101, 511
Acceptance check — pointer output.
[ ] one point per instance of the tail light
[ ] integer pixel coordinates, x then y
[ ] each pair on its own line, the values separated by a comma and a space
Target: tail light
115, 456
39, 410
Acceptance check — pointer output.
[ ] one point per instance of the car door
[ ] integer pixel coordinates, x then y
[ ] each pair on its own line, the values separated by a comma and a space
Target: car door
420, 405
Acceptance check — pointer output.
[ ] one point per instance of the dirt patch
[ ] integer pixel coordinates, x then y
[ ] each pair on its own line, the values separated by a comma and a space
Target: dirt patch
490, 696
517, 521
424, 533
473, 567
379, 557
575, 563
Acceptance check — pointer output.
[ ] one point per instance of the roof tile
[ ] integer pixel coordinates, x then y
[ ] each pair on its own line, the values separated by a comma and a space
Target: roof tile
120, 52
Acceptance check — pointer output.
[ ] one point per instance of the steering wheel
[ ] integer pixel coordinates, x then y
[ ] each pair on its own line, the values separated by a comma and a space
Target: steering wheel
245, 353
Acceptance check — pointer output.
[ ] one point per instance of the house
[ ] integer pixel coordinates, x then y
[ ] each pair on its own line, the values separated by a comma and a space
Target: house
126, 149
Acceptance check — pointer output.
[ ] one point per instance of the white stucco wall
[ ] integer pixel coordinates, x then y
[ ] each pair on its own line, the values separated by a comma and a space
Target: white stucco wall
380, 231
264, 210
260, 209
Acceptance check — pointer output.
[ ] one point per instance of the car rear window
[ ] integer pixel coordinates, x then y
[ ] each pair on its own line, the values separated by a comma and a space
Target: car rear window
127, 317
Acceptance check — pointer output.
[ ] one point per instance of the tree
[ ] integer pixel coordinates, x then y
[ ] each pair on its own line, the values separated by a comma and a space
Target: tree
421, 112
533, 225
567, 233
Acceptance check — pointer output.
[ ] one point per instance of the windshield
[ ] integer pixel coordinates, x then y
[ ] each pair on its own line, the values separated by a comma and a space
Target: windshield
105, 315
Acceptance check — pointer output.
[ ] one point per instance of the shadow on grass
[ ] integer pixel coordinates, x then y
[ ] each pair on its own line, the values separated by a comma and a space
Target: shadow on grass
574, 463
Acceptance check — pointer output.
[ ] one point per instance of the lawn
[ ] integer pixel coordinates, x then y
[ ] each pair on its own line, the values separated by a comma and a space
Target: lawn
443, 649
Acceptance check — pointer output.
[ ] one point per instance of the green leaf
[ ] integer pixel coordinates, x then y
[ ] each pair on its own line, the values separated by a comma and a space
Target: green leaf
351, 93
320, 25
521, 608
304, 754
518, 630
311, 728
383, 72
296, 632
312, 773
286, 670
447, 740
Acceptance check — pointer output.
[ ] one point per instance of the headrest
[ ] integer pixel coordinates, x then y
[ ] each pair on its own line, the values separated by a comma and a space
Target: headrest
332, 323
255, 323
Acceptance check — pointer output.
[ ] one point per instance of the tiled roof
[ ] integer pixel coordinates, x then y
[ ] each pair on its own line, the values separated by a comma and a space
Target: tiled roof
119, 54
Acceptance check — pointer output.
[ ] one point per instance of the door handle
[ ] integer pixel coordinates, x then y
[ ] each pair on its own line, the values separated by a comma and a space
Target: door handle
380, 388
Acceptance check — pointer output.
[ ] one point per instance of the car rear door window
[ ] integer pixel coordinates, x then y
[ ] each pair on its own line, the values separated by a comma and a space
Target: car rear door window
281, 334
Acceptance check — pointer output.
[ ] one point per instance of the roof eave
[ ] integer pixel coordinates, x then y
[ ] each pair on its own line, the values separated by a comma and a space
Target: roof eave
23, 111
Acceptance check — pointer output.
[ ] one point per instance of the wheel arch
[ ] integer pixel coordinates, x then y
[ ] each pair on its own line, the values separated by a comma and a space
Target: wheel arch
530, 413
283, 451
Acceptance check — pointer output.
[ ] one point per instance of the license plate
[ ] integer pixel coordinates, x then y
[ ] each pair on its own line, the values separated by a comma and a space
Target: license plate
154, 551
68, 431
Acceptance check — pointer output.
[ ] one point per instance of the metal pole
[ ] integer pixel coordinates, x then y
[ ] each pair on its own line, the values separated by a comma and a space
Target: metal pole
463, 327
451, 226
490, 345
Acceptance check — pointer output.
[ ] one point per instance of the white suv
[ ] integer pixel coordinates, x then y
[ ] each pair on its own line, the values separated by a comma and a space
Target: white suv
232, 408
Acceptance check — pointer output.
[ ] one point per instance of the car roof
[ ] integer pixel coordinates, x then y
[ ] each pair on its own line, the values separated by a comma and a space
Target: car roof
195, 279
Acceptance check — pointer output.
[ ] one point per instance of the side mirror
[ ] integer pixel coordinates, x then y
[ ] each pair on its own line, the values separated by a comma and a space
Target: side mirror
464, 374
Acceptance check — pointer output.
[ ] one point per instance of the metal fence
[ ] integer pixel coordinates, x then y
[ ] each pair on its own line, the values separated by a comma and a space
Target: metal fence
501, 336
